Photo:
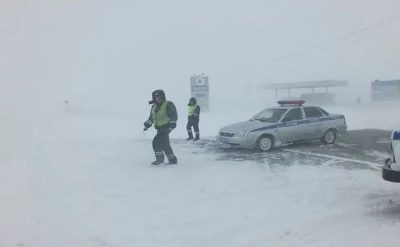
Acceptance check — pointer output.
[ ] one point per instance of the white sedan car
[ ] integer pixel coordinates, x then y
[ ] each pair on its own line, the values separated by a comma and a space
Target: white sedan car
289, 122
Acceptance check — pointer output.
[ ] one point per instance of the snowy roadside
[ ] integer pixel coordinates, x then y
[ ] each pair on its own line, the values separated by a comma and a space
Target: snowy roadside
85, 180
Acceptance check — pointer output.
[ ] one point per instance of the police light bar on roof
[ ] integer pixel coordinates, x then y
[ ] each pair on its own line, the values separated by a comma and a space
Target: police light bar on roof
291, 102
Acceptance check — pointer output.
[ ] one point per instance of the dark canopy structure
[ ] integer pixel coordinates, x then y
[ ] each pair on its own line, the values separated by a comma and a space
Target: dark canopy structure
313, 96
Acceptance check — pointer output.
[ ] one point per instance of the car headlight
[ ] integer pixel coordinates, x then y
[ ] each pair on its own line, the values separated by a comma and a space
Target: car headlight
242, 133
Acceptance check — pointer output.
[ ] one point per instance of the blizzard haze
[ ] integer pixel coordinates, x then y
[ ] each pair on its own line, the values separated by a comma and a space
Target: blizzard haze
78, 174
104, 54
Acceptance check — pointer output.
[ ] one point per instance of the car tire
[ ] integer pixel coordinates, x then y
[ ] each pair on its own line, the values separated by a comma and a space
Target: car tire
329, 137
265, 143
390, 175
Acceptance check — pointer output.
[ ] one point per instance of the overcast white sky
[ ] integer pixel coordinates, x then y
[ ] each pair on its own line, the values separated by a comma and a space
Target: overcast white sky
120, 51
110, 55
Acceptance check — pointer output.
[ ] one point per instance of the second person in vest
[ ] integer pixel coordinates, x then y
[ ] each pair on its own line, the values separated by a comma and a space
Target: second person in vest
193, 120
163, 116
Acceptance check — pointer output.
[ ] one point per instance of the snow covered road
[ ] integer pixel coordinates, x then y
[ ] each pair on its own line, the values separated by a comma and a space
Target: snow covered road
75, 185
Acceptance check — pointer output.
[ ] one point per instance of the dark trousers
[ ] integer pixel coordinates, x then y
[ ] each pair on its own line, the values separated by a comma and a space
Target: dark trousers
161, 145
193, 122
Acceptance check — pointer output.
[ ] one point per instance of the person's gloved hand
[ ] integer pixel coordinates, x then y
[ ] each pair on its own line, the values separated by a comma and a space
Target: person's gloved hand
147, 125
172, 125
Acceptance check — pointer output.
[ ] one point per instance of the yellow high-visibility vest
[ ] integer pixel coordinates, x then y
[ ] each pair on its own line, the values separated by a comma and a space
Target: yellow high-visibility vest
160, 117
192, 110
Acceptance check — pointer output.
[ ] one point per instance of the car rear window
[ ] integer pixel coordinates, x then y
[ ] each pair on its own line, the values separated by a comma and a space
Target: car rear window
325, 112
312, 112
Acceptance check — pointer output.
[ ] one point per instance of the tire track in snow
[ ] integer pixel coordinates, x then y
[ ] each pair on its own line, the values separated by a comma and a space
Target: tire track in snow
373, 165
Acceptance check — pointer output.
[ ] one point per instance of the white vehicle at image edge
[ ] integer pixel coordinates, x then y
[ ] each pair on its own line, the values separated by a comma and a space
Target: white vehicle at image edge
391, 169
289, 122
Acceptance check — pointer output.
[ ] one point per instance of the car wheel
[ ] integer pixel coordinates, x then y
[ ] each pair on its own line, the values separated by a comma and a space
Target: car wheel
390, 175
329, 137
265, 143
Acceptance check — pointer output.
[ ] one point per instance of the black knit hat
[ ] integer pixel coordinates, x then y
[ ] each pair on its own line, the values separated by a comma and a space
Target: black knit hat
157, 93
192, 101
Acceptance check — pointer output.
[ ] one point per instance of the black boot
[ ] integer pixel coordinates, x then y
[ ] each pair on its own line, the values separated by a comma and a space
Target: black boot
190, 136
157, 162
173, 161
197, 138
159, 158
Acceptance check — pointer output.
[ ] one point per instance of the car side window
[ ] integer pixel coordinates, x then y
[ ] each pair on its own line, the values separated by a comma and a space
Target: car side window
293, 114
312, 112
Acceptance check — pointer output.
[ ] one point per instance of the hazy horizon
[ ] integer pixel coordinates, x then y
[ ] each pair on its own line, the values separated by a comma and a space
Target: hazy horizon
118, 53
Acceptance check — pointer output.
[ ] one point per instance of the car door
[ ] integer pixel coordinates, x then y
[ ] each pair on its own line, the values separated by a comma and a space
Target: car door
313, 122
290, 128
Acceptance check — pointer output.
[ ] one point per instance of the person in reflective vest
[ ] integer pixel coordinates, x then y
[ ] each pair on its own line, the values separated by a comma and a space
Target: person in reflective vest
193, 120
163, 116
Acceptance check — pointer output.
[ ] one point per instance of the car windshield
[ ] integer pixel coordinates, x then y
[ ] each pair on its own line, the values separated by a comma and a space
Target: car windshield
271, 115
